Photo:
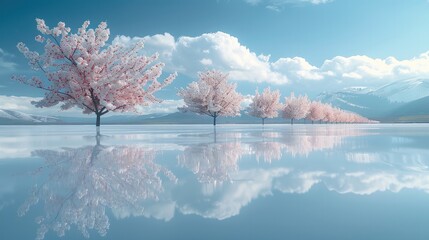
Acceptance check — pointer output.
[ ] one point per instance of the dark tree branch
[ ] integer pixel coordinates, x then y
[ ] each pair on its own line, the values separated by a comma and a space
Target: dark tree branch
59, 46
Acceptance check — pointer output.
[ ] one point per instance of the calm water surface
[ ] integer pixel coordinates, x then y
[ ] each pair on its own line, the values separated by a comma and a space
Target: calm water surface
235, 182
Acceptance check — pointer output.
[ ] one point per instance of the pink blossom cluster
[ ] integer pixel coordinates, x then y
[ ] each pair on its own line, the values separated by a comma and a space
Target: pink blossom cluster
327, 113
296, 108
81, 70
84, 183
301, 107
211, 95
265, 105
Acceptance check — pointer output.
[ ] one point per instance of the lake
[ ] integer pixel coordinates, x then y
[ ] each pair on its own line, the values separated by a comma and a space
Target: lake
320, 181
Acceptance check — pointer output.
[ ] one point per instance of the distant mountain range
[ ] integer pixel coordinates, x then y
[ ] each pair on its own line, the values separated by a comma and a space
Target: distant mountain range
400, 101
15, 117
405, 90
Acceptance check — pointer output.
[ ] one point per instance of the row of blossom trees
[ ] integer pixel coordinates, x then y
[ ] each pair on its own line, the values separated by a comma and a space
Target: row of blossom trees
212, 95
81, 70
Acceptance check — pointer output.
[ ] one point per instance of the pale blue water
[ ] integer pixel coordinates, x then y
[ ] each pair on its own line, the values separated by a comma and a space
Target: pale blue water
190, 182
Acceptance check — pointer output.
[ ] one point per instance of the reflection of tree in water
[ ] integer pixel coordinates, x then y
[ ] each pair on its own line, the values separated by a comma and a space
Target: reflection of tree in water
266, 151
268, 148
85, 181
321, 138
213, 162
303, 145
295, 143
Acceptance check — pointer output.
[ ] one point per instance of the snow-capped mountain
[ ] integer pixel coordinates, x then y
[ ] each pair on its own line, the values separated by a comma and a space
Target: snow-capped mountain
363, 102
15, 117
380, 103
404, 90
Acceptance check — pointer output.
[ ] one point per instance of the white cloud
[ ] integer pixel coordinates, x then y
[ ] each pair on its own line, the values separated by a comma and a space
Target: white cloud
206, 61
277, 5
190, 55
247, 100
354, 70
372, 70
297, 68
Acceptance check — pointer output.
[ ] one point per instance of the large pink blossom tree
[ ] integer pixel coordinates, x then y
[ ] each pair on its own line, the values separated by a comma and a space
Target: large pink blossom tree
296, 108
265, 105
211, 95
81, 70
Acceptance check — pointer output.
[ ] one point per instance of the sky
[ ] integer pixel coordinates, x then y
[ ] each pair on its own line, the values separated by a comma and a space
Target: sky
304, 46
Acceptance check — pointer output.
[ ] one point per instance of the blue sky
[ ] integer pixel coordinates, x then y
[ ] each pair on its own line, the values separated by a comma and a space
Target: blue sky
313, 45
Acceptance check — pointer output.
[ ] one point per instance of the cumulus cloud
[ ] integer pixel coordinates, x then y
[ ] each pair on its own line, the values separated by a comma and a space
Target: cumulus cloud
219, 50
190, 55
355, 69
297, 68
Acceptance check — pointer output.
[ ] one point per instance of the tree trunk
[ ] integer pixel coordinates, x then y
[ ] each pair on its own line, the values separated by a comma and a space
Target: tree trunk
291, 121
214, 120
263, 121
312, 121
97, 123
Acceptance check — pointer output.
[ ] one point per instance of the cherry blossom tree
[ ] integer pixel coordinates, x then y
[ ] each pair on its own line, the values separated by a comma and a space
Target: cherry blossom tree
316, 112
81, 70
211, 95
265, 105
336, 115
329, 114
296, 108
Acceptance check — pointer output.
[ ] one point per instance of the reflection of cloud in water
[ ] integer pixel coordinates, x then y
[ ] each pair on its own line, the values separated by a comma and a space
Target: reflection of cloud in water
229, 200
363, 169
371, 182
84, 181
223, 176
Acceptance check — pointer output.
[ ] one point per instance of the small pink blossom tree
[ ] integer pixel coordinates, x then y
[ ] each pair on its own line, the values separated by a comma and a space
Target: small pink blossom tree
265, 105
316, 112
296, 108
211, 95
81, 71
